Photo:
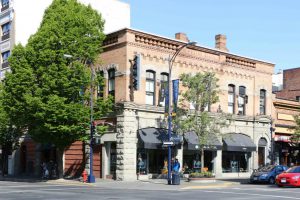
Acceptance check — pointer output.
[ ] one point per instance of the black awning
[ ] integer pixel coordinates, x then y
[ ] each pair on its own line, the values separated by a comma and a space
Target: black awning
152, 138
238, 142
192, 142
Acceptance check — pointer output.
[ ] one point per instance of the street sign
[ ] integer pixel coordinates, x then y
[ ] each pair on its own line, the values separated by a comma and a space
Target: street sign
168, 143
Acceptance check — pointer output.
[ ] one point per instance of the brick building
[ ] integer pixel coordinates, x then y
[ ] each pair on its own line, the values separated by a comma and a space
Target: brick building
246, 92
285, 152
286, 106
18, 23
291, 85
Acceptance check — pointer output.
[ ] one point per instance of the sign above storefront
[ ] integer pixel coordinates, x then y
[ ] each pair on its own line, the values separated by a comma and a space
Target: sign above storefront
282, 138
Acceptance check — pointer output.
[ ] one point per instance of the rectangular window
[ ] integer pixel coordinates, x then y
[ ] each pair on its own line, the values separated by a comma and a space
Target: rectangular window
150, 87
231, 99
5, 28
297, 98
235, 162
164, 78
111, 82
4, 3
241, 101
5, 56
262, 102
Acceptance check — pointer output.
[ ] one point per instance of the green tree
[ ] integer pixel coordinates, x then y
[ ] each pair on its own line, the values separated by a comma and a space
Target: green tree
295, 138
201, 91
47, 94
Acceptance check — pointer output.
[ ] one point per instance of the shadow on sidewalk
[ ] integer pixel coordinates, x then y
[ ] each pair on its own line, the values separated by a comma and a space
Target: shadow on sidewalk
28, 179
234, 180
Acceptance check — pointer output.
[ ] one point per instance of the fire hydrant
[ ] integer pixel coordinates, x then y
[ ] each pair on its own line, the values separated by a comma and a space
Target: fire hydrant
84, 176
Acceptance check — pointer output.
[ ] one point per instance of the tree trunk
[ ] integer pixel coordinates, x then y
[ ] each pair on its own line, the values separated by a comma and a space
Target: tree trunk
202, 159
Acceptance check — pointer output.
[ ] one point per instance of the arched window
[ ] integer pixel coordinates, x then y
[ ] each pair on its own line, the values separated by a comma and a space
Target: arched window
150, 87
231, 99
111, 82
262, 102
242, 100
164, 78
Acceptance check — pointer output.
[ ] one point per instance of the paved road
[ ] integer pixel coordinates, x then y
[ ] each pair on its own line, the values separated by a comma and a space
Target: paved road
60, 191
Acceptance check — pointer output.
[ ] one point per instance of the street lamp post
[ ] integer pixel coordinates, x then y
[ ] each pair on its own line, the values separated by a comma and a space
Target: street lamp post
91, 177
171, 61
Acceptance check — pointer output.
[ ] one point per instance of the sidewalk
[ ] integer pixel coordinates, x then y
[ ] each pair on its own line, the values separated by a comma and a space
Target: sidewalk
152, 184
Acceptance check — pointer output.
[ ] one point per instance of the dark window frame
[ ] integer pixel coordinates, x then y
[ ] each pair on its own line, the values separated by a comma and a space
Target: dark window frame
262, 101
148, 79
163, 83
8, 24
111, 81
5, 3
231, 92
6, 59
242, 97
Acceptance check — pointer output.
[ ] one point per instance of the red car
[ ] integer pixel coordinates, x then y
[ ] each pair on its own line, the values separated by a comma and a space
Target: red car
291, 177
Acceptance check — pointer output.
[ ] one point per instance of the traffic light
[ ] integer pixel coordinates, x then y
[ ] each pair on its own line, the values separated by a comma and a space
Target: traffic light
136, 72
93, 129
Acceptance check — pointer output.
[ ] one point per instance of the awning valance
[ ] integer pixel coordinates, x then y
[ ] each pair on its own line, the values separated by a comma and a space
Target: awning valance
152, 138
238, 142
192, 142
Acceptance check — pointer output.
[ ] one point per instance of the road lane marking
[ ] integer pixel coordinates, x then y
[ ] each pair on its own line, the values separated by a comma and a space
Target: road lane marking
250, 194
206, 186
294, 190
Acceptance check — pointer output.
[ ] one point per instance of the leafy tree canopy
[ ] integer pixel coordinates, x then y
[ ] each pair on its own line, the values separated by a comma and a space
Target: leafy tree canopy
296, 136
43, 94
201, 91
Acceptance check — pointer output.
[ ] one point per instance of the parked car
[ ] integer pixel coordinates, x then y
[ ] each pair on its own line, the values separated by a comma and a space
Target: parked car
291, 177
267, 174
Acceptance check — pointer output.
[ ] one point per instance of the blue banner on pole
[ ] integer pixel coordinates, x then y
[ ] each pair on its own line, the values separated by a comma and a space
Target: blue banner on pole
175, 94
166, 90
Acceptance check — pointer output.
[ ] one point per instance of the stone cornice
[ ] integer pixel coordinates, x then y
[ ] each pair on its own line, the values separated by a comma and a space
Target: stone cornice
127, 105
170, 43
219, 67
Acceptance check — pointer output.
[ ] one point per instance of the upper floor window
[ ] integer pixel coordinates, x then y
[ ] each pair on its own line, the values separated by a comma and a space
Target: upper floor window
242, 101
262, 102
5, 28
4, 3
100, 86
5, 56
164, 78
297, 98
111, 82
150, 87
231, 99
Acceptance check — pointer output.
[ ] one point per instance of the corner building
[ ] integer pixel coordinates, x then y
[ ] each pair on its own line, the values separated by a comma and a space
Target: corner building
246, 93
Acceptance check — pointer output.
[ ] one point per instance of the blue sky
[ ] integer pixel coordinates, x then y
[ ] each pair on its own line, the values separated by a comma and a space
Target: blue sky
268, 30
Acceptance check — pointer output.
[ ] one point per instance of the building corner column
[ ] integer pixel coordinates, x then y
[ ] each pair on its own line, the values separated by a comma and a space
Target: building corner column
218, 164
126, 146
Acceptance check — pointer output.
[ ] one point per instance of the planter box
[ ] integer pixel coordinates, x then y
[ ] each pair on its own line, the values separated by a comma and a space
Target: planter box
202, 180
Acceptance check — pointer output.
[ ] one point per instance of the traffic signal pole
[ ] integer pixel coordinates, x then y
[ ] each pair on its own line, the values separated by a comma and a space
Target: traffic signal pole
91, 177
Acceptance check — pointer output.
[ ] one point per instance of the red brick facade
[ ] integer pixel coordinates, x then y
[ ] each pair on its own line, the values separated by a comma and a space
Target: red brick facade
291, 84
75, 160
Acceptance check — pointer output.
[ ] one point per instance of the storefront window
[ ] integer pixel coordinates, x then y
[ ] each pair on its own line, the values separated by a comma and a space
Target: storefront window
234, 161
141, 162
192, 161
